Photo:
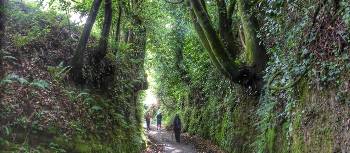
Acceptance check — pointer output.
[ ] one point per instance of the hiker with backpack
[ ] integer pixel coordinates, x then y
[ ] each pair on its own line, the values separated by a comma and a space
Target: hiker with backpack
177, 127
148, 120
159, 121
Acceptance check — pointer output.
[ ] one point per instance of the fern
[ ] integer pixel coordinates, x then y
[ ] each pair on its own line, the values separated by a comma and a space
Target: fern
12, 78
59, 72
83, 94
8, 79
70, 95
9, 58
42, 84
22, 81
5, 52
96, 108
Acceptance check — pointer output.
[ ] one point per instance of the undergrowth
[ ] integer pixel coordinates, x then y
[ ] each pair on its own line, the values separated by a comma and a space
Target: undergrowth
41, 110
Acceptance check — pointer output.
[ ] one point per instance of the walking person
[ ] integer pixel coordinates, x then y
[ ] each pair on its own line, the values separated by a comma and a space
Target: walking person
177, 127
159, 121
148, 121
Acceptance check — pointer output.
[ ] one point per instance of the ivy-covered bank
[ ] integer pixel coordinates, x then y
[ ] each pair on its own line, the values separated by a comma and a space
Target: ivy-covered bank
303, 104
43, 110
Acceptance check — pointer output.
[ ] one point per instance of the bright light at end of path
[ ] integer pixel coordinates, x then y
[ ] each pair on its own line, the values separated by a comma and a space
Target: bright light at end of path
150, 99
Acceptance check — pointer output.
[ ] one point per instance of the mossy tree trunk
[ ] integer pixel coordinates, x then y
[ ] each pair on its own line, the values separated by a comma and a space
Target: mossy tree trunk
223, 47
256, 53
78, 58
100, 71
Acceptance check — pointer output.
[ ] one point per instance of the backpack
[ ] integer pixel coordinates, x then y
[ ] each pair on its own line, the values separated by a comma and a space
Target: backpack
177, 123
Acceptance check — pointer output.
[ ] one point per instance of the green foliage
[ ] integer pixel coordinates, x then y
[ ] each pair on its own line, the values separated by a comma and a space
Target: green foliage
56, 148
346, 15
36, 33
99, 123
32, 35
31, 24
209, 105
294, 60
212, 107
12, 78
7, 56
41, 84
59, 73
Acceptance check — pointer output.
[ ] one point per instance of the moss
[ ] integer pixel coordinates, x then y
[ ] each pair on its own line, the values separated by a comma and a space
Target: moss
297, 140
312, 122
80, 145
296, 133
53, 130
284, 139
270, 136
123, 140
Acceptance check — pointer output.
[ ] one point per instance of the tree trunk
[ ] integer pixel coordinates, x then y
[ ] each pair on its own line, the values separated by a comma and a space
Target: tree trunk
2, 37
78, 58
205, 43
103, 42
215, 43
223, 49
225, 30
117, 31
256, 53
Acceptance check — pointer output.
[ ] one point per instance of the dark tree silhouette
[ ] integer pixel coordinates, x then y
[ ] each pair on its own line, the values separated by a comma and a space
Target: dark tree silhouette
103, 42
78, 58
2, 34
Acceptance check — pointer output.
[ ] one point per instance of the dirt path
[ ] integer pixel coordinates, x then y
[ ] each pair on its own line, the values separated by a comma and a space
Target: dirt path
165, 142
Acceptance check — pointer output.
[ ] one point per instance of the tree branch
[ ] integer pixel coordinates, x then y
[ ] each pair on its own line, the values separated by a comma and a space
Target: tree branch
77, 61
103, 42
225, 29
231, 9
205, 42
215, 44
255, 51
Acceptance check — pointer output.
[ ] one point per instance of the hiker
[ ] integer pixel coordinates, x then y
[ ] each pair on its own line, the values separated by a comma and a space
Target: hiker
148, 121
177, 127
159, 121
